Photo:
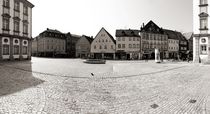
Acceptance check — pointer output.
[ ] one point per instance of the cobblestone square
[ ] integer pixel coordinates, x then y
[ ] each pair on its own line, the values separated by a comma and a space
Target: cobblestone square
66, 86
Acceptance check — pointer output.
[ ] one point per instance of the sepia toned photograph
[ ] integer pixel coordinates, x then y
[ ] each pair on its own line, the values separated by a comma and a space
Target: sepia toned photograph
104, 57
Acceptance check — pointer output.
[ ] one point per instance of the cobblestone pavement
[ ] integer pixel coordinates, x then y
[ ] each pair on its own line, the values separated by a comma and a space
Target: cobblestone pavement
65, 86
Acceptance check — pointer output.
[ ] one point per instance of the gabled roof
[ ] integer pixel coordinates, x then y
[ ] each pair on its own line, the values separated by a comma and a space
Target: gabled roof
188, 35
107, 34
171, 34
88, 38
174, 35
152, 28
52, 31
127, 33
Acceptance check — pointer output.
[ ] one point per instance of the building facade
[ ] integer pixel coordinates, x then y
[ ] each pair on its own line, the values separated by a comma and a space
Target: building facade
71, 40
50, 43
153, 37
103, 46
15, 29
189, 38
201, 24
83, 46
182, 46
173, 44
128, 44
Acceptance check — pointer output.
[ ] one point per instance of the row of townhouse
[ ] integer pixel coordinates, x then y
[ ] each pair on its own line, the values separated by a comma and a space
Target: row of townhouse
129, 44
15, 29
139, 44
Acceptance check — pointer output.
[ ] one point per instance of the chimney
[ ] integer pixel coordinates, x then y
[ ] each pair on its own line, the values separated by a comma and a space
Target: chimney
143, 25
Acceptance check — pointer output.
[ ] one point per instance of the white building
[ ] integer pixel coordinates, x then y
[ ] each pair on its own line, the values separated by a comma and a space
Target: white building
128, 44
103, 46
173, 44
201, 24
15, 29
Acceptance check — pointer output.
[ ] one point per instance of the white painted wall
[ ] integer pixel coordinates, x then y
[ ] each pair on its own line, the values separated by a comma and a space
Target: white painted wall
196, 18
127, 42
98, 44
196, 22
173, 45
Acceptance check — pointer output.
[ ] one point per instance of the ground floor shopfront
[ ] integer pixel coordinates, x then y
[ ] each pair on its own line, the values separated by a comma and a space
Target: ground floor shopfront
83, 55
173, 55
150, 54
128, 55
103, 56
15, 48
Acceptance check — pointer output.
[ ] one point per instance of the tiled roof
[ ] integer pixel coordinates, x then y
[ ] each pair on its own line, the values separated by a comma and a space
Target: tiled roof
151, 27
188, 35
171, 34
88, 38
53, 31
127, 33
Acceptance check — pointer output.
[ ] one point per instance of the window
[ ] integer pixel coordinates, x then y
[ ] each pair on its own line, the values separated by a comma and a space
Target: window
203, 9
16, 50
17, 6
6, 23
138, 46
203, 49
134, 39
25, 10
100, 47
105, 47
123, 39
134, 45
25, 28
123, 45
25, 50
119, 39
203, 23
16, 26
130, 39
5, 49
119, 45
130, 46
203, 2
111, 46
6, 3
138, 39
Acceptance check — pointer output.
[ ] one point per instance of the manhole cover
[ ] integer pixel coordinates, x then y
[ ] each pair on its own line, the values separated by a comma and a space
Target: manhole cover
154, 106
192, 101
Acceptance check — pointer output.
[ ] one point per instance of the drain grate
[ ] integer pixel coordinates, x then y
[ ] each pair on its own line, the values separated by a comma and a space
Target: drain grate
154, 106
192, 101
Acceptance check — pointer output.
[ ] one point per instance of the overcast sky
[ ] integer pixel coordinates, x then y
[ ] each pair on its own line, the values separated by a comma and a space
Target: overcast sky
88, 16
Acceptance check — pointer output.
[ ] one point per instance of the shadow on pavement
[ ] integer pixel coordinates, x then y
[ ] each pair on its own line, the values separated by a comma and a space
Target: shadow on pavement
13, 80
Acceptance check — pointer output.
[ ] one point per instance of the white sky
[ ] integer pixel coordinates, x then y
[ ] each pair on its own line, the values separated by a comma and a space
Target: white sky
88, 16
